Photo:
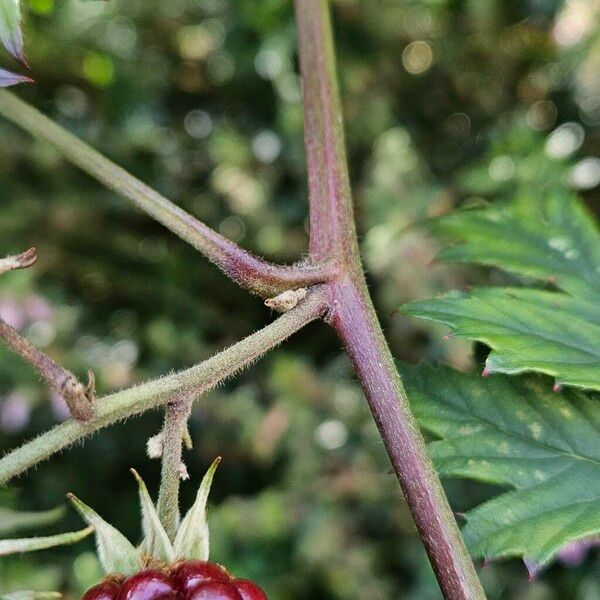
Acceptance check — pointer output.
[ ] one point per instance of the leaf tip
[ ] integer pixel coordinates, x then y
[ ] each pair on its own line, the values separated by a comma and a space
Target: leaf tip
533, 569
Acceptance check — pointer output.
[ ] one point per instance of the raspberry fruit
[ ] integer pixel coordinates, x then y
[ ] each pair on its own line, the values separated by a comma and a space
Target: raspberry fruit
192, 572
151, 584
175, 569
107, 590
214, 590
185, 580
249, 590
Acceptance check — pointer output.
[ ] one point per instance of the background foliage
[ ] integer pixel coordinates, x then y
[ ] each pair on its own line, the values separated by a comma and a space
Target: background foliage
447, 103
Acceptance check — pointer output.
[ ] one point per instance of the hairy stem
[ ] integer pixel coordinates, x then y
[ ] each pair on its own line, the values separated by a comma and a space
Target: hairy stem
79, 397
331, 217
201, 378
352, 313
177, 413
356, 322
249, 271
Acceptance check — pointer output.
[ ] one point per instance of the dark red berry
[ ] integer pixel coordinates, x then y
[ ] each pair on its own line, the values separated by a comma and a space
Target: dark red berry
249, 590
192, 572
149, 585
214, 590
107, 590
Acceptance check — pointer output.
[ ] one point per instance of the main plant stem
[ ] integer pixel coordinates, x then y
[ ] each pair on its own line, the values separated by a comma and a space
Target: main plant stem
352, 313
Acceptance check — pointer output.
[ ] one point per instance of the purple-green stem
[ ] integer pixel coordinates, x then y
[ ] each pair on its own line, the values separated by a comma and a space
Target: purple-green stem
343, 299
353, 316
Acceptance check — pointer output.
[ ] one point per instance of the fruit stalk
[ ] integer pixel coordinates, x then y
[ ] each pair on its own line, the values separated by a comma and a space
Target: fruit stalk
177, 413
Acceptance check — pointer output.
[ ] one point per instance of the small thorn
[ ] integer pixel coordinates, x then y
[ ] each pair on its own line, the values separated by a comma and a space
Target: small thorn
557, 388
460, 515
533, 569
486, 371
485, 563
448, 336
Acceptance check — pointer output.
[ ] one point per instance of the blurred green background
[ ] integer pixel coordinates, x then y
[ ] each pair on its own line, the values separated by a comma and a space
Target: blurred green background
446, 102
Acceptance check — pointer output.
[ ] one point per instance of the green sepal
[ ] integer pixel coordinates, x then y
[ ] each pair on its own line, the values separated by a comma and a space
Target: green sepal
116, 553
12, 520
192, 539
42, 543
156, 542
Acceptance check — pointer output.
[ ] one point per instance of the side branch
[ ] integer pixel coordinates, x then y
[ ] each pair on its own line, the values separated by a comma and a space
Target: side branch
331, 215
79, 398
257, 275
201, 378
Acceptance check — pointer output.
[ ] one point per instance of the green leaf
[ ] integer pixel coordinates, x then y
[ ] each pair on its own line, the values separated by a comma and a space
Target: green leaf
42, 543
156, 541
515, 432
11, 520
11, 35
7, 78
553, 239
527, 329
116, 553
192, 539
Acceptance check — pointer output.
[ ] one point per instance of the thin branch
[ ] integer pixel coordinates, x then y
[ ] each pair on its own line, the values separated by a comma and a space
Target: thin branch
177, 413
257, 275
20, 261
79, 397
331, 216
201, 378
